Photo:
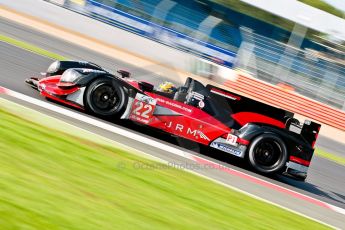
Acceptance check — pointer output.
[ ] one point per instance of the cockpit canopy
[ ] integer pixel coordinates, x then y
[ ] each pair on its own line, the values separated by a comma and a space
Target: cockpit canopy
70, 75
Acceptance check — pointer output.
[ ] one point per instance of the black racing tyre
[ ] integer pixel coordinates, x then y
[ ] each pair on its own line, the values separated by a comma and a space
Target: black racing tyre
267, 154
105, 98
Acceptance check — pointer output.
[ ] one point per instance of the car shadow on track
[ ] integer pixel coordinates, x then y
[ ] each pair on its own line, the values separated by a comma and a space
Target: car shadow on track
331, 196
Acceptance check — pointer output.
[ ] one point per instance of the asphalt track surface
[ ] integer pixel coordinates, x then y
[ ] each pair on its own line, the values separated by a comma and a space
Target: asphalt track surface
326, 179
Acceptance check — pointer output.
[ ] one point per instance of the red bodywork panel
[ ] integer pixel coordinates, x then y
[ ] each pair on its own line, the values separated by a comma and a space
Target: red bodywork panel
245, 117
192, 123
184, 120
49, 88
299, 161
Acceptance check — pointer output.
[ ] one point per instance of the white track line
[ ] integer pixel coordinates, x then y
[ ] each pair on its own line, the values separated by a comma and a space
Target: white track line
175, 151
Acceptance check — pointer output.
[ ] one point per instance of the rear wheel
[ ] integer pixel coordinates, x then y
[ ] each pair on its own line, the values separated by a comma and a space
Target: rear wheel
267, 154
104, 97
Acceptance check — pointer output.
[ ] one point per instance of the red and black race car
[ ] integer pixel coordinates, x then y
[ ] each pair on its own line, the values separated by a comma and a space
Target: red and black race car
270, 138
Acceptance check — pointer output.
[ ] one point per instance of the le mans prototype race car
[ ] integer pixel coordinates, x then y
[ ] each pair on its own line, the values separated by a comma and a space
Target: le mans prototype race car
268, 137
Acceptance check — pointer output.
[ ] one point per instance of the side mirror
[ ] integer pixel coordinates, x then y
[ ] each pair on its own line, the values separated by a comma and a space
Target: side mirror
144, 86
124, 73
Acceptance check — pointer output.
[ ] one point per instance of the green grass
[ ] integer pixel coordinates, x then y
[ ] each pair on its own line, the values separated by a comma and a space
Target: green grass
50, 180
30, 47
330, 156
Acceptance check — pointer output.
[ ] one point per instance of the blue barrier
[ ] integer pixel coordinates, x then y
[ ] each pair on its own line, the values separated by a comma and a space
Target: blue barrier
159, 33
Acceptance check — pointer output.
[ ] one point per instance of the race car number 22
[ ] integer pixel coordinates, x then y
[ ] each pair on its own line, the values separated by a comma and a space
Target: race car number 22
142, 109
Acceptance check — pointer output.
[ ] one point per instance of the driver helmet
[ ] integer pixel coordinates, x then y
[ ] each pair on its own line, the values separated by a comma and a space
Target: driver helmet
167, 87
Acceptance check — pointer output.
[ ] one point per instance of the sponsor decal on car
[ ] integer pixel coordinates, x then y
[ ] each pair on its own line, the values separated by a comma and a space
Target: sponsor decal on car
201, 104
187, 131
227, 148
142, 108
197, 96
203, 136
231, 139
92, 71
225, 94
173, 104
41, 87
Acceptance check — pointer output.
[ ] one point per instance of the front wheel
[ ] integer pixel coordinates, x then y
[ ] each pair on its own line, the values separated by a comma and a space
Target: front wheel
267, 154
104, 97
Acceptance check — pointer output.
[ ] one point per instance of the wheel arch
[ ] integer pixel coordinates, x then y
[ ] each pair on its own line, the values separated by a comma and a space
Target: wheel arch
88, 83
252, 131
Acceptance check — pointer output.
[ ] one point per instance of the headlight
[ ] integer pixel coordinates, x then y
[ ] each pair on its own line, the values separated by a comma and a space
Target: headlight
70, 75
54, 67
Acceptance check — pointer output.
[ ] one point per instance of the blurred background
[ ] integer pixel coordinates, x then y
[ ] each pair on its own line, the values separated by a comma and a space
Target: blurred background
299, 45
286, 53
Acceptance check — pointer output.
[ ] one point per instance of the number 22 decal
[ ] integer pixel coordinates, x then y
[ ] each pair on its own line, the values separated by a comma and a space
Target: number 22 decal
143, 110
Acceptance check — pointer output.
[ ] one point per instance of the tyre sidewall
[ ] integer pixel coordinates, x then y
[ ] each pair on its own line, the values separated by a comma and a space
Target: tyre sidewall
282, 160
94, 110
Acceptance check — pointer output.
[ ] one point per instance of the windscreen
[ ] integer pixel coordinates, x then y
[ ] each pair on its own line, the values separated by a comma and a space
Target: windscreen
70, 75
